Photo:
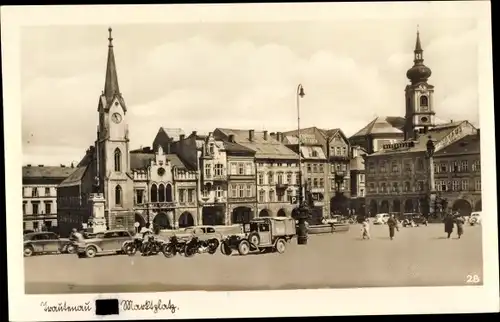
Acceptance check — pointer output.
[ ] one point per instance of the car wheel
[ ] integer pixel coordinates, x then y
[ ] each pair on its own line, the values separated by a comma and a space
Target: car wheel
81, 255
70, 249
169, 250
254, 239
28, 251
90, 252
244, 247
280, 246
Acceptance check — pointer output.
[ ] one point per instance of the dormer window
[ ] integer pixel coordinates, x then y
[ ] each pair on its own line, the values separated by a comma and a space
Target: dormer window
211, 148
314, 154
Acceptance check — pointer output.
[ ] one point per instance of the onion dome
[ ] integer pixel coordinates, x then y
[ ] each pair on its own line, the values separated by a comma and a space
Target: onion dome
419, 72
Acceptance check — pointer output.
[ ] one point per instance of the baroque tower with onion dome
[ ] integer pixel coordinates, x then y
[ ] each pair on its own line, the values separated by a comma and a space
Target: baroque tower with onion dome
420, 114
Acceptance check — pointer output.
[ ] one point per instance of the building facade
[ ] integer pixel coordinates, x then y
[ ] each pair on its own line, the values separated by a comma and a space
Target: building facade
398, 177
315, 169
457, 173
358, 181
276, 169
40, 195
241, 181
208, 157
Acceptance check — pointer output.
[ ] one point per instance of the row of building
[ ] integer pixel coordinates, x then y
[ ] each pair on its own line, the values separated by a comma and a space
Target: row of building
228, 176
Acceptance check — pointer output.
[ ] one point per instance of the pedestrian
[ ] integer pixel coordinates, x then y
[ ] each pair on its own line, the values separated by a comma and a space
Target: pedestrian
460, 225
365, 228
448, 224
393, 226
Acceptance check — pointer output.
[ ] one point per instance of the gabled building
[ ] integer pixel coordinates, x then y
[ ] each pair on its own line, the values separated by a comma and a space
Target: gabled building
377, 133
276, 167
207, 156
457, 173
166, 137
40, 195
358, 180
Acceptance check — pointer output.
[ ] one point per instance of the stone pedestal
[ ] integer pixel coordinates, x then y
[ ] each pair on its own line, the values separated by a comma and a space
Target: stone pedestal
97, 222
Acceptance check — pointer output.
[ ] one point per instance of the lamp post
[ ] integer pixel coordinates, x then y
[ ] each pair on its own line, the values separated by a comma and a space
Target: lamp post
431, 148
303, 209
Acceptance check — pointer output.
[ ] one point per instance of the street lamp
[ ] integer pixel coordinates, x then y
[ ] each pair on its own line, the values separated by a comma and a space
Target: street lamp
431, 148
303, 209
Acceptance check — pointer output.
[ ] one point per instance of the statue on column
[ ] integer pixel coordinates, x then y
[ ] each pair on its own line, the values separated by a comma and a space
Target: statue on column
96, 186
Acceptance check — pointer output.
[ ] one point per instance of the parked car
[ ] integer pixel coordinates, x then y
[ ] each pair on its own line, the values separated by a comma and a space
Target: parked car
262, 234
45, 242
28, 231
475, 218
413, 220
203, 232
381, 219
111, 241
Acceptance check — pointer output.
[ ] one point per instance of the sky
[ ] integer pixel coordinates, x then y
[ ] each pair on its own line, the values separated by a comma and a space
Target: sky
200, 76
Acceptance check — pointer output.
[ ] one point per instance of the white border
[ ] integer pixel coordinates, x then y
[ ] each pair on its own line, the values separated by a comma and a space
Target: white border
235, 304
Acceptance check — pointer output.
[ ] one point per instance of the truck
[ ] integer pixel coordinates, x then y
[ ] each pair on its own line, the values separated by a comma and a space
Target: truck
262, 234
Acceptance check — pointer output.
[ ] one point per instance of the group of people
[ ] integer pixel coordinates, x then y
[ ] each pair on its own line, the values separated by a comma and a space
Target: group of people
393, 224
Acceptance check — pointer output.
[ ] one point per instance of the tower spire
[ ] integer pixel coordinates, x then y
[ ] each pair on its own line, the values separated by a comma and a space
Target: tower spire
111, 83
418, 52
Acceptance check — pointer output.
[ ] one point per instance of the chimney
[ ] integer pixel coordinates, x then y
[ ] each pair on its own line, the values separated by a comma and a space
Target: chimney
40, 165
478, 133
29, 165
182, 137
251, 134
231, 138
279, 136
265, 135
168, 148
194, 133
63, 166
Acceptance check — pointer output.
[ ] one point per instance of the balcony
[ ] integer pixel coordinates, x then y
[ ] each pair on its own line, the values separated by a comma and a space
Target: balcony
219, 177
281, 185
339, 158
165, 204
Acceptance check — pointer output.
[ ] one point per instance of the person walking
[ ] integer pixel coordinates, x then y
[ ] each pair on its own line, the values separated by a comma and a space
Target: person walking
393, 226
448, 225
365, 228
460, 225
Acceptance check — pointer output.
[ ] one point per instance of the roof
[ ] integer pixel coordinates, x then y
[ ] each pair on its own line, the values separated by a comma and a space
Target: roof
469, 144
307, 152
383, 125
47, 172
237, 148
142, 160
420, 144
266, 149
75, 178
173, 133
309, 136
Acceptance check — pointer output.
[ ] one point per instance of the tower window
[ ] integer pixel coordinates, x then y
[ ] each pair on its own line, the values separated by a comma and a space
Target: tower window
424, 101
118, 160
118, 195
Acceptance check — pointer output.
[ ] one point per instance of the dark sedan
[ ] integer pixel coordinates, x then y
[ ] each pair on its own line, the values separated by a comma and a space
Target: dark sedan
45, 242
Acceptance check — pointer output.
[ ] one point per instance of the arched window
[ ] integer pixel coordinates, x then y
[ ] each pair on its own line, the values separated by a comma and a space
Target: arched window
168, 193
424, 101
118, 160
161, 193
118, 195
154, 193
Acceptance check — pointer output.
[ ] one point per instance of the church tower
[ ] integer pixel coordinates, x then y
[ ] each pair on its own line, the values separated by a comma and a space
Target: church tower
113, 164
419, 95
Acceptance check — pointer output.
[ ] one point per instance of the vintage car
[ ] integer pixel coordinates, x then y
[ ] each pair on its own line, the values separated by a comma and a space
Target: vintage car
413, 220
475, 218
262, 234
111, 241
45, 242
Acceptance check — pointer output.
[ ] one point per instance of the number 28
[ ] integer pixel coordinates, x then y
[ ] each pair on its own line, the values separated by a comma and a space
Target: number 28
473, 279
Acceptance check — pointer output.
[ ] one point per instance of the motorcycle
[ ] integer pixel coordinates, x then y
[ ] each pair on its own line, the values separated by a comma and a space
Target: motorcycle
132, 246
173, 247
151, 246
195, 245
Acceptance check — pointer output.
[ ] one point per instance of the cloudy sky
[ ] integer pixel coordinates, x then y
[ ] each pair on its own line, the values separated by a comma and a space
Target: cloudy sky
199, 76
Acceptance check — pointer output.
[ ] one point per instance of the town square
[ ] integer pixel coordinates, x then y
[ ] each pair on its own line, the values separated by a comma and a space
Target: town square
279, 199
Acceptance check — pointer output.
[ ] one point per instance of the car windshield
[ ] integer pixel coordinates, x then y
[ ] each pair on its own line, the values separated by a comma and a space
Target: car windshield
189, 229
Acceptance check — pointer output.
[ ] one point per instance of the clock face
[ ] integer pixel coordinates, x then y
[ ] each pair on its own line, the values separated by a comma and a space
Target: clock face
116, 117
